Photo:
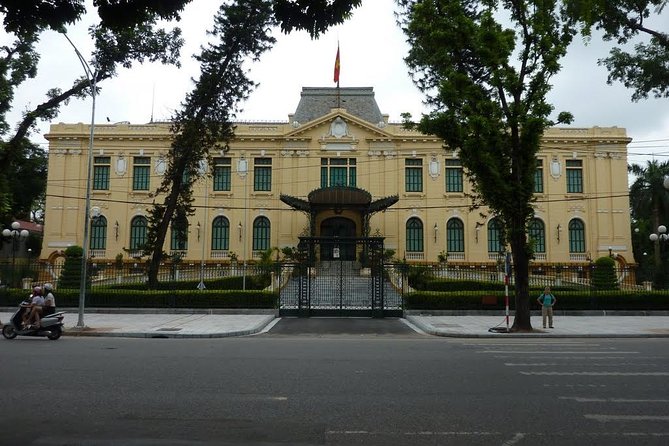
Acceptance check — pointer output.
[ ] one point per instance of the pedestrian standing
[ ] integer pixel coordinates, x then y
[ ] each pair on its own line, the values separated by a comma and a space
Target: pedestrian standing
547, 301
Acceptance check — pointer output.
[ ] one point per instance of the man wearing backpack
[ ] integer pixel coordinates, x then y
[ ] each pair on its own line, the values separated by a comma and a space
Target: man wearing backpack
547, 300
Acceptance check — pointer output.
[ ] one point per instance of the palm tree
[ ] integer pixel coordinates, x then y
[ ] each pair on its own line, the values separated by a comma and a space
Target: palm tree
650, 200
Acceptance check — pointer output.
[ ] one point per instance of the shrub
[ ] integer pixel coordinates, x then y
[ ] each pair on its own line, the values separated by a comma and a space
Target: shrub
604, 275
70, 276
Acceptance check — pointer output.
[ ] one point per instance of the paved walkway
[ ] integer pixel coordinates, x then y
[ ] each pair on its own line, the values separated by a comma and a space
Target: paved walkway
214, 325
565, 326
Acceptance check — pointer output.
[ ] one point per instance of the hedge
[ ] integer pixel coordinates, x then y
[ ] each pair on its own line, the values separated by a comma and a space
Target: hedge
439, 284
155, 299
223, 283
572, 300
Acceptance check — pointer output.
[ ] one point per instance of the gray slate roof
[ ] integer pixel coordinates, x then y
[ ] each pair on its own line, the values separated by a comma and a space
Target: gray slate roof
358, 101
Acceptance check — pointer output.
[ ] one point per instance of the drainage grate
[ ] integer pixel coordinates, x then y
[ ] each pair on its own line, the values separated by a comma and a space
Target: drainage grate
169, 329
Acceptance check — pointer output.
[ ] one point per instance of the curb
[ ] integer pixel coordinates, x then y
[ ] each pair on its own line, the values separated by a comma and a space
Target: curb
91, 332
429, 329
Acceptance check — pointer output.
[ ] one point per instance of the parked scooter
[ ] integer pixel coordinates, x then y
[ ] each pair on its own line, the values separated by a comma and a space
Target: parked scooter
50, 326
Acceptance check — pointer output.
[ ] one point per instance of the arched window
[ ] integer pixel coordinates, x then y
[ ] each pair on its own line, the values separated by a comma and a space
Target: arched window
138, 227
261, 234
98, 233
220, 234
455, 235
494, 236
576, 236
537, 232
414, 235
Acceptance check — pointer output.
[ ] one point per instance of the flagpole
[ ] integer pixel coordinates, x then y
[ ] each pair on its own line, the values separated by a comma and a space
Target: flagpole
336, 75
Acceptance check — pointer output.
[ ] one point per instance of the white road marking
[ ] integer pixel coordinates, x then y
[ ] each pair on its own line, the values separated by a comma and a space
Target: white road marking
576, 385
516, 438
552, 352
543, 344
269, 326
412, 326
588, 364
561, 358
579, 399
535, 364
596, 373
607, 418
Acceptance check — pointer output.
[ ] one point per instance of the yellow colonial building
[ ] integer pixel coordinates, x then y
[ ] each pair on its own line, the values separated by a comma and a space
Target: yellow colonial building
336, 167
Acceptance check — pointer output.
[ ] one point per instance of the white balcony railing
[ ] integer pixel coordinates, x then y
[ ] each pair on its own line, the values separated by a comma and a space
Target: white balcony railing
415, 256
97, 253
220, 254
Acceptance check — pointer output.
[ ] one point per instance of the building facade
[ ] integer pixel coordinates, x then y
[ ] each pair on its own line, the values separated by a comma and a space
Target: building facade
336, 167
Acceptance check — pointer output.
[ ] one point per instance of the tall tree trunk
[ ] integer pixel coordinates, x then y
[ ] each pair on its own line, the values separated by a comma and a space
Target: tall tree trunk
521, 321
161, 233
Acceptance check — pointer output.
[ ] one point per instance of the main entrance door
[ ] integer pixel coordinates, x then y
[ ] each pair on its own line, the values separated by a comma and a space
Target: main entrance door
327, 283
343, 231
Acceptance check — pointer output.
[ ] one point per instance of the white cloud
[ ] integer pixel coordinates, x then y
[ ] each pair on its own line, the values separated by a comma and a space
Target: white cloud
372, 52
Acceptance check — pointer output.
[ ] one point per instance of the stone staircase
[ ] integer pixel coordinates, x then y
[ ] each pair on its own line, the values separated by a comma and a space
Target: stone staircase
339, 285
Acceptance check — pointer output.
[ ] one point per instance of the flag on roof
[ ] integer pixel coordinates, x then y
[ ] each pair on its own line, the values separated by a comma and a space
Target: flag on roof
336, 67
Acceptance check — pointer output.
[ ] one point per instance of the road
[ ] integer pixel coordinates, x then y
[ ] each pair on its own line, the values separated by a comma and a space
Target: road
334, 382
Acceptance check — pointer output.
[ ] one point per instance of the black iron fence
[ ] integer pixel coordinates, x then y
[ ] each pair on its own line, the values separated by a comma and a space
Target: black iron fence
445, 277
186, 275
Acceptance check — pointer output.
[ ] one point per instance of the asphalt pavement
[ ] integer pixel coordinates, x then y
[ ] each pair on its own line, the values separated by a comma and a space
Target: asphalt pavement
140, 323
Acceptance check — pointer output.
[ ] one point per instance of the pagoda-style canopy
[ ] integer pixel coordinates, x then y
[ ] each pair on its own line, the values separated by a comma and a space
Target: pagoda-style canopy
340, 198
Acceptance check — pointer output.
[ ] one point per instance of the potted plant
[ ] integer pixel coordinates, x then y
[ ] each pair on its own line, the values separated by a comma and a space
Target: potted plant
442, 257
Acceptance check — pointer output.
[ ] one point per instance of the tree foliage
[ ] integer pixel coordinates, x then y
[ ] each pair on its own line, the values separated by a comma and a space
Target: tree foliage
645, 70
128, 32
650, 207
241, 33
487, 85
313, 16
119, 42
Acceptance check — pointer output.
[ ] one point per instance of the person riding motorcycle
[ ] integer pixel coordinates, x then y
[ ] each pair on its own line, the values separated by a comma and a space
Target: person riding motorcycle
49, 300
33, 311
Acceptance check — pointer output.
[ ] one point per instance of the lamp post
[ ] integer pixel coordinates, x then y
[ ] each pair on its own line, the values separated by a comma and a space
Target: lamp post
203, 171
17, 235
91, 76
657, 237
242, 171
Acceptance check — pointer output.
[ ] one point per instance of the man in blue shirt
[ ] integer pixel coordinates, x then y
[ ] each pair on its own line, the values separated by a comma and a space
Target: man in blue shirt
547, 300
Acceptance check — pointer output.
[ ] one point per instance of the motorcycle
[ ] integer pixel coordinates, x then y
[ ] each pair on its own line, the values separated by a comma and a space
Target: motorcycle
50, 326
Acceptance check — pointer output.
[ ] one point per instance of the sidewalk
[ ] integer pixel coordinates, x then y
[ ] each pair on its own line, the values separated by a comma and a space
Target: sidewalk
145, 323
566, 326
151, 324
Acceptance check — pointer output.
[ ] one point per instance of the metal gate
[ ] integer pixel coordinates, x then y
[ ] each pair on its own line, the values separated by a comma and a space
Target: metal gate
338, 276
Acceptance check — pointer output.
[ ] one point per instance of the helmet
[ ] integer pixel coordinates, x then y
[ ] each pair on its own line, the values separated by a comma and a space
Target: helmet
48, 287
37, 290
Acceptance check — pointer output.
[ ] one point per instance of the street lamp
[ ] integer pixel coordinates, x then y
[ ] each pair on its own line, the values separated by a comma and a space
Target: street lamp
657, 237
242, 171
91, 76
203, 168
661, 234
17, 235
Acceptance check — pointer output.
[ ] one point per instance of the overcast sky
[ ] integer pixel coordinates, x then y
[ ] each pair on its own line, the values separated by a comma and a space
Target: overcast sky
372, 52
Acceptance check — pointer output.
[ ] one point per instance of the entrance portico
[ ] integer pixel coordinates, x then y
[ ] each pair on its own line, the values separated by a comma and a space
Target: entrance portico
339, 211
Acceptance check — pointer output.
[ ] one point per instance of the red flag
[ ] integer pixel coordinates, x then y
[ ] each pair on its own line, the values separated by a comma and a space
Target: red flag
336, 67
